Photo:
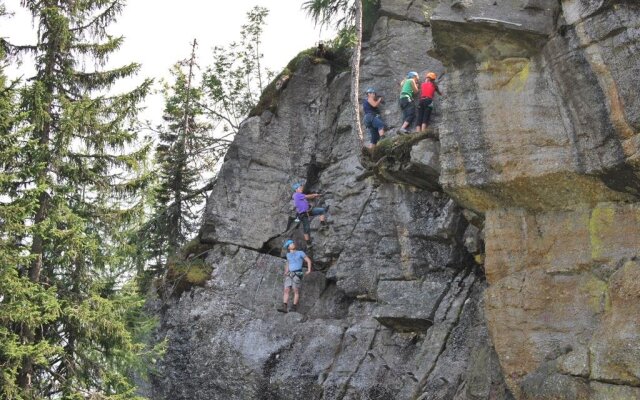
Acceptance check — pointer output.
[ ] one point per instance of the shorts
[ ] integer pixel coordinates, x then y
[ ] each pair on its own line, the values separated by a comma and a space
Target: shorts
293, 280
304, 217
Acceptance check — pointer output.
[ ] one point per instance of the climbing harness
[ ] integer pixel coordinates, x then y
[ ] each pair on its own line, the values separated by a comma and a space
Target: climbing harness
298, 274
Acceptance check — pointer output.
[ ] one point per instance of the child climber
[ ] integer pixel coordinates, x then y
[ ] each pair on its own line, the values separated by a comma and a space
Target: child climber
427, 90
293, 275
408, 92
304, 210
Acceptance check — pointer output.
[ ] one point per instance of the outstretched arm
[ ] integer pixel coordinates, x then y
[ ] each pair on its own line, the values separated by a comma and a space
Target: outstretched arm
286, 268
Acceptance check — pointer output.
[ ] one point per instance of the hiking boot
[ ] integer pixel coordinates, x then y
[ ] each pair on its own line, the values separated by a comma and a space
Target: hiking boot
309, 244
293, 308
283, 308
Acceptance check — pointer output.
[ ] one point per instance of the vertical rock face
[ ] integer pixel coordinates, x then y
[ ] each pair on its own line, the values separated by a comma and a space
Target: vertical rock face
394, 309
536, 119
540, 132
538, 149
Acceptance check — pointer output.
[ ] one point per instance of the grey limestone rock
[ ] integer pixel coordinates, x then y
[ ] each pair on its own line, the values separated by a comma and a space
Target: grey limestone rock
426, 156
394, 295
538, 140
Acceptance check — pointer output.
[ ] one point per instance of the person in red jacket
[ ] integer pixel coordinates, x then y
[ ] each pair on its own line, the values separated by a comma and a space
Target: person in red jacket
428, 89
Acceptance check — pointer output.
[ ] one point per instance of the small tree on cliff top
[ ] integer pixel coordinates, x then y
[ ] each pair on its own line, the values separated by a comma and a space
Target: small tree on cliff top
200, 122
236, 79
186, 148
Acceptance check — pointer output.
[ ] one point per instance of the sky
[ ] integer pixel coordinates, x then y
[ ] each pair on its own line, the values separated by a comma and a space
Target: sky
158, 33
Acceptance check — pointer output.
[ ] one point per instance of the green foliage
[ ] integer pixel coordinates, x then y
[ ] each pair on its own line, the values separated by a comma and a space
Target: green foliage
327, 12
201, 116
185, 269
236, 79
71, 173
195, 249
182, 275
185, 148
341, 13
345, 40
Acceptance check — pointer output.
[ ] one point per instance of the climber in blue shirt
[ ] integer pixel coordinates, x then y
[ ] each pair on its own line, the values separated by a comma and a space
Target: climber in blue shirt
293, 274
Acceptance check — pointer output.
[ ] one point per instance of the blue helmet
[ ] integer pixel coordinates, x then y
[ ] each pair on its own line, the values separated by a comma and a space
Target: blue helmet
296, 185
370, 90
287, 243
412, 74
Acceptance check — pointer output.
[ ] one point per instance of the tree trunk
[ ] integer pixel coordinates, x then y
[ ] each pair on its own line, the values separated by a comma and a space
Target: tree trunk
25, 375
176, 228
355, 72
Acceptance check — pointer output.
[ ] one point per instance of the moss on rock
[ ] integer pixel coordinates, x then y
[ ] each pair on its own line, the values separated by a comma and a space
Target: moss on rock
182, 275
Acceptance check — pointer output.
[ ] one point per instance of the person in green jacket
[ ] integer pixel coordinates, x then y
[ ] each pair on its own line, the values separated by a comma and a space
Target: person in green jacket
407, 94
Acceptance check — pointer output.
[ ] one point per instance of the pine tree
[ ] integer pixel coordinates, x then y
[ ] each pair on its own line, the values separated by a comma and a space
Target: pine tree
72, 169
200, 118
185, 149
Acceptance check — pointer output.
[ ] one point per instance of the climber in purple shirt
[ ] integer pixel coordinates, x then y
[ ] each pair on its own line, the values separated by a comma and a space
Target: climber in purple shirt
304, 210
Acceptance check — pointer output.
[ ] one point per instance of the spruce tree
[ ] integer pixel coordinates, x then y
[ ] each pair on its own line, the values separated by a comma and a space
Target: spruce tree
24, 306
71, 171
201, 115
186, 148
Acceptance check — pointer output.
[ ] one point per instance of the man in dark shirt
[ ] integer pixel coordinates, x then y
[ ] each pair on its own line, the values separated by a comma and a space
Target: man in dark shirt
372, 120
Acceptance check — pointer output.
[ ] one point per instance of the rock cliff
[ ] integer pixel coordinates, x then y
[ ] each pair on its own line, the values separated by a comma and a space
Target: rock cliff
540, 133
497, 262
